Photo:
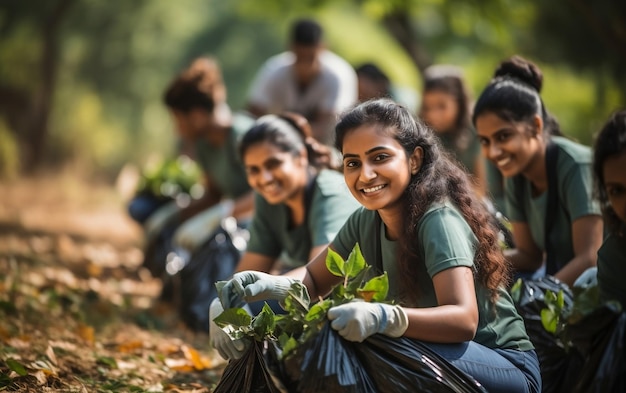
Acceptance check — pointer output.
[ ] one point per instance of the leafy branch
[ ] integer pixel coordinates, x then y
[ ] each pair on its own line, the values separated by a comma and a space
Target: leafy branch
302, 321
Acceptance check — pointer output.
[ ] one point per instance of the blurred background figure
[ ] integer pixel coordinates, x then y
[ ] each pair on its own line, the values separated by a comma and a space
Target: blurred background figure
610, 186
446, 107
179, 230
308, 79
374, 83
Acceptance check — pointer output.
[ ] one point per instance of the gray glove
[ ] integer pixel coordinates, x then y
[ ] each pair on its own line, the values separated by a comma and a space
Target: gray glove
357, 320
250, 286
220, 340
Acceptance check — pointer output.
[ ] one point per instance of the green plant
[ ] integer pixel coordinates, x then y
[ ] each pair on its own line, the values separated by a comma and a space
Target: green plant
302, 320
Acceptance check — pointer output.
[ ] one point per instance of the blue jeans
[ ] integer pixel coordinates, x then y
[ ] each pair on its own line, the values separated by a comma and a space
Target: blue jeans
143, 205
498, 370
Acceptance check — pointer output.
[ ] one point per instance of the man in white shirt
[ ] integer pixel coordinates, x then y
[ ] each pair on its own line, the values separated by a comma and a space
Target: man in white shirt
308, 79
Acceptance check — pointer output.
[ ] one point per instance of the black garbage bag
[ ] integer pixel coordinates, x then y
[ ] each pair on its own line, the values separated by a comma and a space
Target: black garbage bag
155, 258
599, 337
558, 365
329, 363
250, 373
214, 261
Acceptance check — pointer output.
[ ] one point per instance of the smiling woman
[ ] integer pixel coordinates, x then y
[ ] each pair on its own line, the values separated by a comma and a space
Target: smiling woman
421, 223
300, 204
548, 186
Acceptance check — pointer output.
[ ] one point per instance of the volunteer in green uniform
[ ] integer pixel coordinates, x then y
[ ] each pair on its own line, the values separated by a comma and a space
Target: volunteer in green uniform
300, 203
608, 167
436, 241
446, 109
515, 131
196, 98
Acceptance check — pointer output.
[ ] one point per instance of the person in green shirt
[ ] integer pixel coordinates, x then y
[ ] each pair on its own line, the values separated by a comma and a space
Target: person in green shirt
517, 135
300, 202
445, 107
435, 239
196, 99
610, 182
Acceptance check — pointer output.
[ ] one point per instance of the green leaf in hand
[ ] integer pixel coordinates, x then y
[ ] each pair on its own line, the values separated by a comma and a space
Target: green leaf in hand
356, 262
335, 263
263, 324
235, 317
375, 289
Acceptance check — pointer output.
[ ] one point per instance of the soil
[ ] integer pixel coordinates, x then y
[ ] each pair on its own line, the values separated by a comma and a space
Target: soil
78, 312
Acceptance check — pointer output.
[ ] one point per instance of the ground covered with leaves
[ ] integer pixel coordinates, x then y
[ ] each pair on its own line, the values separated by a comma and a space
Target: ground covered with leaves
78, 313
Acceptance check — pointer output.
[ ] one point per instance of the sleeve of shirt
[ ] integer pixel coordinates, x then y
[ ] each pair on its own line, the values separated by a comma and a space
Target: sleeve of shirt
447, 240
263, 239
348, 235
576, 191
342, 90
261, 90
329, 212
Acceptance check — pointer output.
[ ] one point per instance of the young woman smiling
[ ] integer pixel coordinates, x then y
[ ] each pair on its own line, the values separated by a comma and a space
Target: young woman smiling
548, 196
421, 223
300, 204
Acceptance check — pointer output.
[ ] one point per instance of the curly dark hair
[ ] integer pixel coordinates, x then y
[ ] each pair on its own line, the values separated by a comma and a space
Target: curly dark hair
438, 180
199, 86
610, 142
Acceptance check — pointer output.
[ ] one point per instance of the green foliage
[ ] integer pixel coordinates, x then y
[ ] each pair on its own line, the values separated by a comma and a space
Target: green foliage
556, 317
172, 177
9, 155
303, 321
16, 366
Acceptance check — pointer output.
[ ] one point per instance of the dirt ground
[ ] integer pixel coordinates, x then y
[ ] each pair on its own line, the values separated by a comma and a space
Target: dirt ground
78, 313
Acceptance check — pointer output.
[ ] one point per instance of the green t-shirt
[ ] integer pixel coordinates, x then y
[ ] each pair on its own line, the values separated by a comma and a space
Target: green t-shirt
330, 205
446, 241
612, 269
466, 153
575, 199
222, 163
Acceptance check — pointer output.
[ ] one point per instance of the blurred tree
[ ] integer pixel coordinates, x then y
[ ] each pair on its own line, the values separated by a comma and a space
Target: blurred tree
27, 103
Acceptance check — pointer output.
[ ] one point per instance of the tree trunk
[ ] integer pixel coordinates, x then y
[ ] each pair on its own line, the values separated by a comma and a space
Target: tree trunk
399, 26
37, 132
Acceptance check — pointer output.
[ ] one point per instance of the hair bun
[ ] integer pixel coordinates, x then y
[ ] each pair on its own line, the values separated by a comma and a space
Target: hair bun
521, 69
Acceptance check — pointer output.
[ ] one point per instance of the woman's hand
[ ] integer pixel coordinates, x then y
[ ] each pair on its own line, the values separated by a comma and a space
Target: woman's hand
250, 286
357, 320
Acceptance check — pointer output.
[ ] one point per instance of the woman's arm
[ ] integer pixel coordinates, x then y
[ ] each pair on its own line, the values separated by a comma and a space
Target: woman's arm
254, 261
315, 276
526, 256
455, 319
587, 238
244, 205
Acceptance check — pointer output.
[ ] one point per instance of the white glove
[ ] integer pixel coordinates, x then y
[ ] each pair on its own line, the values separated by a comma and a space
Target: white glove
163, 216
198, 229
220, 340
357, 320
250, 286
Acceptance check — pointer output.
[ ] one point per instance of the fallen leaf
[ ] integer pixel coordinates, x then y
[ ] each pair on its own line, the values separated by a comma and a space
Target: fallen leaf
86, 332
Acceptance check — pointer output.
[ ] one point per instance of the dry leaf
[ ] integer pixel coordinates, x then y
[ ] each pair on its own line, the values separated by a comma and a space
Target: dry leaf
130, 346
199, 362
179, 365
50, 354
86, 332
